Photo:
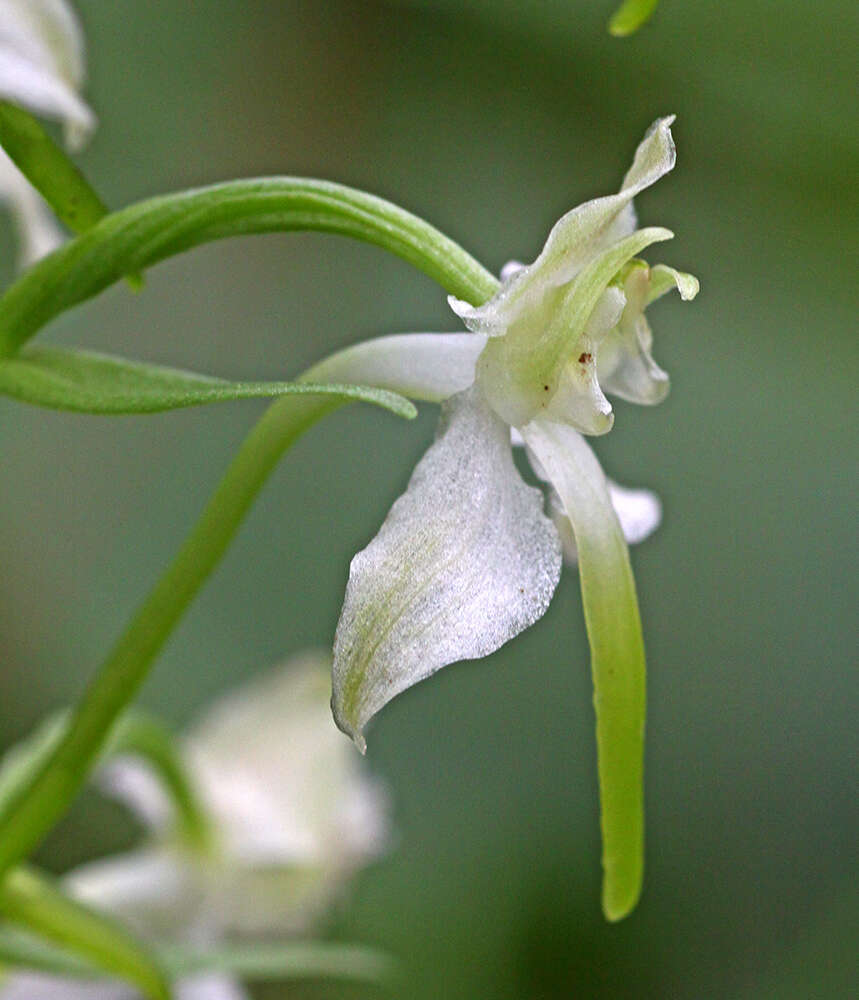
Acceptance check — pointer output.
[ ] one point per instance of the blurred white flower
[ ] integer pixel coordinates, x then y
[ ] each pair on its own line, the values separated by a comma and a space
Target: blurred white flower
42, 64
41, 69
39, 986
36, 228
293, 814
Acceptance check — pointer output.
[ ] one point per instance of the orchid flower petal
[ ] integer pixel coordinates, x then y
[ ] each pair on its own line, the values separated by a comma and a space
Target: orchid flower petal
521, 371
154, 890
428, 366
639, 513
42, 62
465, 560
579, 399
663, 278
37, 230
574, 239
625, 364
634, 375
510, 268
293, 814
617, 653
283, 787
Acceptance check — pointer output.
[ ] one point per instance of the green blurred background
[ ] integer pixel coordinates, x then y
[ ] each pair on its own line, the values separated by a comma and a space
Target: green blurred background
491, 119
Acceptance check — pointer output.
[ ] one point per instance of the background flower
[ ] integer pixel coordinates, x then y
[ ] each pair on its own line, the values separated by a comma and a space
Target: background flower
293, 817
42, 69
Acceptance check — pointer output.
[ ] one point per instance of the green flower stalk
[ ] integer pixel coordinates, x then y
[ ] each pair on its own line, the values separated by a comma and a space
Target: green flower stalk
467, 558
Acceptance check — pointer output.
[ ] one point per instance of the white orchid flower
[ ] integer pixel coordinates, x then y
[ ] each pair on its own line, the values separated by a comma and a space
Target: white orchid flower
293, 816
42, 69
39, 986
292, 811
467, 558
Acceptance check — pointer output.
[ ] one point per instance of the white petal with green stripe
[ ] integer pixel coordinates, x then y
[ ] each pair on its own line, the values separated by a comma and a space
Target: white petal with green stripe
465, 560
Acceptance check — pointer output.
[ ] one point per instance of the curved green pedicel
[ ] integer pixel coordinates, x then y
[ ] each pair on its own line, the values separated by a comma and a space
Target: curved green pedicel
141, 235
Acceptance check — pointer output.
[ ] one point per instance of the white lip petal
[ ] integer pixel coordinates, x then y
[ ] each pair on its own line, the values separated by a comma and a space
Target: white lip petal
465, 560
428, 366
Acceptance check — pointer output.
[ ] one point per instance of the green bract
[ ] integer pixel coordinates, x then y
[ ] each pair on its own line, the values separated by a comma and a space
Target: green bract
467, 558
86, 382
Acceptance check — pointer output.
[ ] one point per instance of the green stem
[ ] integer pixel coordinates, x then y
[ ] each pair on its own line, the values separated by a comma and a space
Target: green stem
33, 902
133, 239
49, 169
28, 815
51, 172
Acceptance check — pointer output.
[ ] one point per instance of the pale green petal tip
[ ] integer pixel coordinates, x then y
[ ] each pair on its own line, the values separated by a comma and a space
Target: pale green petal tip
346, 721
664, 278
618, 902
630, 16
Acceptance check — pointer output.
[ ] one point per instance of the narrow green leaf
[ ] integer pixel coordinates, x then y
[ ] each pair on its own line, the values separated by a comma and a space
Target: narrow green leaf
19, 950
139, 236
32, 901
258, 962
630, 16
86, 382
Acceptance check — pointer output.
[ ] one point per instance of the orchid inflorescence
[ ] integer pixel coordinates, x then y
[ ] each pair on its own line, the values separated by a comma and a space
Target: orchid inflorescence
257, 819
